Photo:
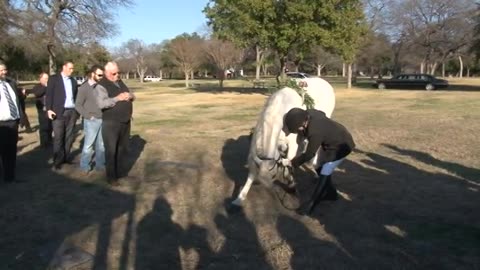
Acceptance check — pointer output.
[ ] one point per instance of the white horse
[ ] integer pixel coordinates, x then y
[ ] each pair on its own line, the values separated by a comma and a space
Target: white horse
270, 139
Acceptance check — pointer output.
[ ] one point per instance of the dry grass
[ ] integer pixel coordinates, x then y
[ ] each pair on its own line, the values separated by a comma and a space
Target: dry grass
413, 188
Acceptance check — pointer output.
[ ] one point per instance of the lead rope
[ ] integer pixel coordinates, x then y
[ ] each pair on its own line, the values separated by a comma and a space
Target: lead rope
285, 171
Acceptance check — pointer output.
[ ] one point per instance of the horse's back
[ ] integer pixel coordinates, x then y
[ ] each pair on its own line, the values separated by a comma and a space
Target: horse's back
323, 95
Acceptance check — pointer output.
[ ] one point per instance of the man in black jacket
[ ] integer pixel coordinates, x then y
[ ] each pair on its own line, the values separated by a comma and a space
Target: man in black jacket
331, 138
60, 105
45, 124
115, 100
11, 115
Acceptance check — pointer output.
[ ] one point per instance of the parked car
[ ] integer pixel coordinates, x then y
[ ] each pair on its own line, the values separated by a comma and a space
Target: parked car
80, 80
412, 81
151, 78
298, 75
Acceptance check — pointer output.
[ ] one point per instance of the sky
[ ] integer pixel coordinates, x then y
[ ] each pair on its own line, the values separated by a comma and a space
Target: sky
156, 20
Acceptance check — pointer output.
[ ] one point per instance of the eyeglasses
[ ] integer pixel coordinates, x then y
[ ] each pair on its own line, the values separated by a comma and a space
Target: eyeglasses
116, 73
99, 75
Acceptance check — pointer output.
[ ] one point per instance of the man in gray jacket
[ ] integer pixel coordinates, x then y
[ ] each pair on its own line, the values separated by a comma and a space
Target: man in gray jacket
86, 105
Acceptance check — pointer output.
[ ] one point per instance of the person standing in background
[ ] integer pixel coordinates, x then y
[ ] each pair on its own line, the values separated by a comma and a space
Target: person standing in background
86, 106
60, 105
45, 124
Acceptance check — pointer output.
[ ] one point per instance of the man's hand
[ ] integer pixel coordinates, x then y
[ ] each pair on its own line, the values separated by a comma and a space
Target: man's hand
123, 96
285, 162
131, 96
51, 114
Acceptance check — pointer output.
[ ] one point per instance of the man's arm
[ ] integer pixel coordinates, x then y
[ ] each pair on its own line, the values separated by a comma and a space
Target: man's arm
314, 144
38, 91
103, 101
80, 101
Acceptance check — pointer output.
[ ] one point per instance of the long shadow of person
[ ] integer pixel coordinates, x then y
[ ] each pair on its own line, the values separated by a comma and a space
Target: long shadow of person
49, 211
135, 149
390, 205
241, 247
158, 239
309, 252
458, 169
234, 160
196, 238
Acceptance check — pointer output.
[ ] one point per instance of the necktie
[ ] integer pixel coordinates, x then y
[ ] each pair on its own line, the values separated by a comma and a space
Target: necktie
11, 103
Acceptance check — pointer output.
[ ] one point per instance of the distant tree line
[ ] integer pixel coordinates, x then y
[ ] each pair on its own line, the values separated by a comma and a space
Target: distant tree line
261, 38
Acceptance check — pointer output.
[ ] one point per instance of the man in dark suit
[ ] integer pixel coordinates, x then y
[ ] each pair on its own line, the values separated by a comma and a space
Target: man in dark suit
45, 124
10, 116
60, 106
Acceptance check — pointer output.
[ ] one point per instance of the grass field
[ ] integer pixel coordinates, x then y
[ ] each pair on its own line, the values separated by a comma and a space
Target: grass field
410, 192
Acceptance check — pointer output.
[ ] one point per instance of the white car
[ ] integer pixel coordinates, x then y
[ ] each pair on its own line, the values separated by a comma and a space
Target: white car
150, 78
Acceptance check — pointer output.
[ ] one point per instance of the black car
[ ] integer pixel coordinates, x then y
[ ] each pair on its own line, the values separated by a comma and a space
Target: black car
412, 81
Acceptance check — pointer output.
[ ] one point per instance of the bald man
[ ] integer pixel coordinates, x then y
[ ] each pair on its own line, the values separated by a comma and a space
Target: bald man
115, 100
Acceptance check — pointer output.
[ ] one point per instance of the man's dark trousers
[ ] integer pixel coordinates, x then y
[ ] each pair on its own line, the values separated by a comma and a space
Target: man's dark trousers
63, 130
115, 138
8, 148
45, 128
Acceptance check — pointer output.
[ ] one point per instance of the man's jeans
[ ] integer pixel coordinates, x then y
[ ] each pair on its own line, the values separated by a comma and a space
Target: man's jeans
92, 129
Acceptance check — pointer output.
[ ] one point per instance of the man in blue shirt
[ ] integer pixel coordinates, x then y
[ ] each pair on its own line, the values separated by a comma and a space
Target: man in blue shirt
60, 106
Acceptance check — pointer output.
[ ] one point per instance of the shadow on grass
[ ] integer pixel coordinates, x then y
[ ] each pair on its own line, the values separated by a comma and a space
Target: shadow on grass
471, 174
234, 161
397, 216
41, 215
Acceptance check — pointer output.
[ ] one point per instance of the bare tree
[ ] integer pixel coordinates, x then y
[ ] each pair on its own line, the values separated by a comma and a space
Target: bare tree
154, 58
127, 66
437, 28
53, 23
137, 50
224, 55
319, 58
186, 54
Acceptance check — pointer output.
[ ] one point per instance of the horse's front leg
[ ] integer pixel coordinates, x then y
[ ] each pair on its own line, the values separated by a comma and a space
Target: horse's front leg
243, 193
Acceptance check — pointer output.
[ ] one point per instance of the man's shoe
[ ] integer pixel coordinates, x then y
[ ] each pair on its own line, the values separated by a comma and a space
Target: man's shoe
57, 167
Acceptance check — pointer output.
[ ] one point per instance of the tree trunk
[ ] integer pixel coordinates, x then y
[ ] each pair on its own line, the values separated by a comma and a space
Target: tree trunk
433, 68
461, 66
160, 74
258, 61
349, 76
221, 77
192, 75
354, 73
52, 65
319, 69
443, 69
468, 72
186, 78
283, 61
422, 67
343, 70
